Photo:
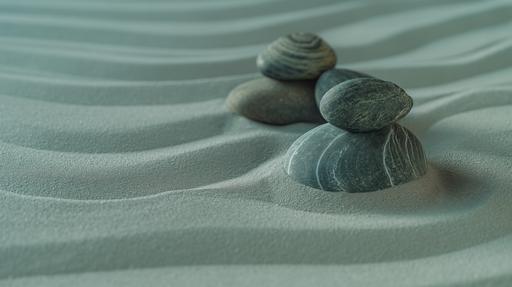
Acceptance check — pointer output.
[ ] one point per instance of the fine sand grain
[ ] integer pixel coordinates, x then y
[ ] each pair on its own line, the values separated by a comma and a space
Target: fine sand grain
121, 166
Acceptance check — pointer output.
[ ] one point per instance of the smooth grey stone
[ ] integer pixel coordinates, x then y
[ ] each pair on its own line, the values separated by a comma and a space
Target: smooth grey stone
332, 159
365, 104
331, 78
275, 102
298, 56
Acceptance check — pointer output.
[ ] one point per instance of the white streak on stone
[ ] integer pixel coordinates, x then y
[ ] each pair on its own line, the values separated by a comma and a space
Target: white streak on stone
384, 157
407, 150
320, 159
296, 151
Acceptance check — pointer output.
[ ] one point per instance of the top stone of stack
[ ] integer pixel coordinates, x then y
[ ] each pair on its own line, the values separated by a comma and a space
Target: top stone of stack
365, 104
298, 56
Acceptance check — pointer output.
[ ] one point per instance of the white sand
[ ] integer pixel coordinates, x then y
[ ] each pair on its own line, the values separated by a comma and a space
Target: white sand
120, 166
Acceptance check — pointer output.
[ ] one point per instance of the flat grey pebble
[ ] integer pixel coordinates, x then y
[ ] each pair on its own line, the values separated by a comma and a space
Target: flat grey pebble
275, 102
332, 159
298, 56
365, 104
331, 78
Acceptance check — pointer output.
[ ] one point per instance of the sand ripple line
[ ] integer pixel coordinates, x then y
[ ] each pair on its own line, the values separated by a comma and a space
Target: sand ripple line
125, 68
100, 130
427, 114
161, 11
156, 70
111, 176
446, 72
257, 32
115, 93
480, 18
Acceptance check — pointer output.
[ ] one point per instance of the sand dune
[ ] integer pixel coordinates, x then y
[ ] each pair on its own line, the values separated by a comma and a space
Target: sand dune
119, 162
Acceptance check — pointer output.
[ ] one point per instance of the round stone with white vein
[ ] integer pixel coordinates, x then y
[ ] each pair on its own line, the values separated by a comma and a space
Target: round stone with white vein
333, 159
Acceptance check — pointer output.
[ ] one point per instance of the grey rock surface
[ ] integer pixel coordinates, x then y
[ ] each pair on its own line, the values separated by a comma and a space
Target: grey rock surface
275, 102
298, 56
332, 159
331, 78
365, 104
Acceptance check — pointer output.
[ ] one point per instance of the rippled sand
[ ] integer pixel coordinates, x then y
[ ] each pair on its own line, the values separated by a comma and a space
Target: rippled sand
119, 163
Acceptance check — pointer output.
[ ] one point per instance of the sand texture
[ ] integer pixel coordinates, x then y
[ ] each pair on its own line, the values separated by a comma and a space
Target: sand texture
121, 166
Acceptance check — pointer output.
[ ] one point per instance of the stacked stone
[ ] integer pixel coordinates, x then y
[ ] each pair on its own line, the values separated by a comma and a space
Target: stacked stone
286, 92
362, 147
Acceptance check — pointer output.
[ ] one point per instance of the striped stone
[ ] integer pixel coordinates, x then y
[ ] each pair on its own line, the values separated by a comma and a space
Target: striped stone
332, 159
298, 56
